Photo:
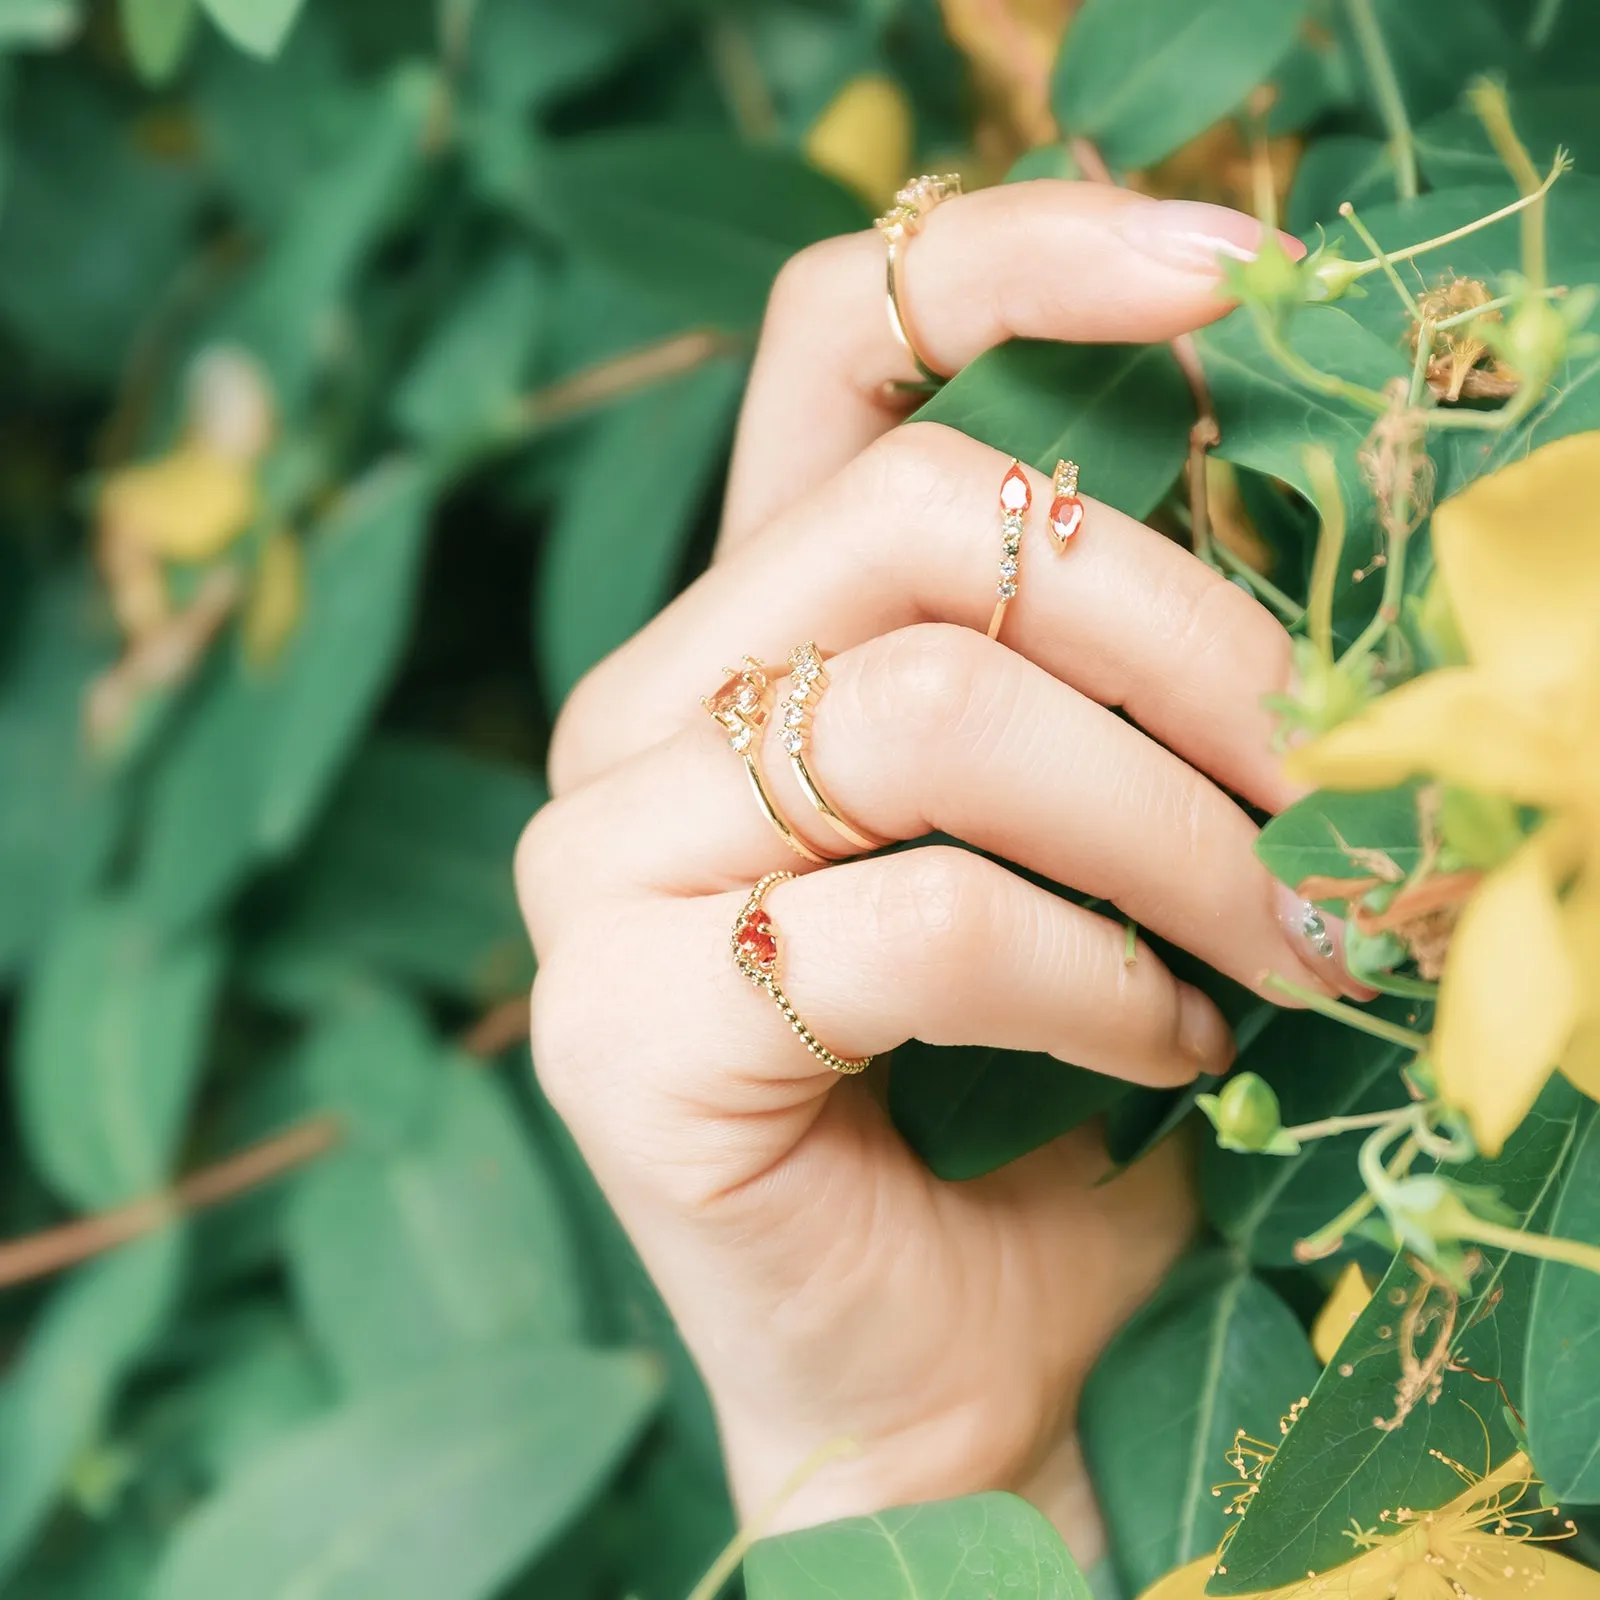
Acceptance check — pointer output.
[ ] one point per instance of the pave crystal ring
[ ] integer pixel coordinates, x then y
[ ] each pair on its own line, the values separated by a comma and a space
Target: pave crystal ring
741, 708
899, 225
808, 678
1016, 495
755, 953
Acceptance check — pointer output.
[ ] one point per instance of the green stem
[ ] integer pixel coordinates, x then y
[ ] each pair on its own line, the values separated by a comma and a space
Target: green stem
1448, 418
1419, 367
1348, 212
1569, 1251
1329, 1126
1391, 104
1555, 293
1265, 590
1331, 1235
1488, 101
1313, 377
1406, 1038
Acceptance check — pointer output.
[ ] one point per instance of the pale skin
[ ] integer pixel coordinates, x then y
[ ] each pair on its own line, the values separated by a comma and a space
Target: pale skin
828, 1286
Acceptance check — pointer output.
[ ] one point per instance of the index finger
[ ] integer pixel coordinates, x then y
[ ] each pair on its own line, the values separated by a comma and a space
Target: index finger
1046, 259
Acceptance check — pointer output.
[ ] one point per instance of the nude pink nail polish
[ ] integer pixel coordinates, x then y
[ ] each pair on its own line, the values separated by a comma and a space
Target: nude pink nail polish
1194, 236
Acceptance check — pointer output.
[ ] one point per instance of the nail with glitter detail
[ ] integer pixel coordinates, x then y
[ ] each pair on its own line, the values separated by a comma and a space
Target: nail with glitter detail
1320, 940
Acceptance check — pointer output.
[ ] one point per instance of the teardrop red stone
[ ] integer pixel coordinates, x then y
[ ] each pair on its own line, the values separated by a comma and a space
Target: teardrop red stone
1015, 492
756, 940
1066, 517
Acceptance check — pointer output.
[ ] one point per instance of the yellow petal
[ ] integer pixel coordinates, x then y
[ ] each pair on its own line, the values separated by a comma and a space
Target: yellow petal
276, 599
863, 137
1563, 1578
1508, 1000
188, 506
1520, 555
1457, 724
1187, 1582
1339, 1312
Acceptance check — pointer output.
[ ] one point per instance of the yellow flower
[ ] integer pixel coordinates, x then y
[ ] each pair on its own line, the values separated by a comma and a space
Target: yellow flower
863, 137
1519, 557
1483, 1544
1346, 1301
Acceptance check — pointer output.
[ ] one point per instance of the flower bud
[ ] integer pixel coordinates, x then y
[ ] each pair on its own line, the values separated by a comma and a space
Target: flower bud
1370, 955
1246, 1117
1329, 276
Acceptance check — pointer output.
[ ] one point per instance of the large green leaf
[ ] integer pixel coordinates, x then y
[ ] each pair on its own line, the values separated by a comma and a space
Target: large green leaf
632, 499
1337, 1463
969, 1109
972, 1549
1309, 839
438, 1488
56, 1395
698, 221
259, 26
1123, 411
1215, 1351
109, 1049
408, 873
57, 808
1562, 1394
1318, 1068
251, 767
407, 1257
1141, 77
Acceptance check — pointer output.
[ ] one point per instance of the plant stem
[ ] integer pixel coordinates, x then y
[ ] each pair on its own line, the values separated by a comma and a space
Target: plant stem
1570, 1251
1265, 589
1312, 377
1330, 1235
1488, 101
1348, 212
1386, 86
1406, 1038
1558, 292
1329, 1126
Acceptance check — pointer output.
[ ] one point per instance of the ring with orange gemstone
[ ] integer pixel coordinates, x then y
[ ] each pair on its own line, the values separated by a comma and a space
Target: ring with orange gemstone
741, 708
755, 953
900, 224
1016, 495
808, 678
1066, 510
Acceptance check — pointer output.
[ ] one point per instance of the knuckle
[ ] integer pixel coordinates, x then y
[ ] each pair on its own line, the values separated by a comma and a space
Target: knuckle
929, 906
1223, 626
541, 845
807, 277
558, 1034
907, 469
925, 680
571, 757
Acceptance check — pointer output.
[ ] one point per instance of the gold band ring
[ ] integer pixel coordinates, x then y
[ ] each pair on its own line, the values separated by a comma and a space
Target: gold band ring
899, 225
1016, 495
808, 679
755, 953
741, 707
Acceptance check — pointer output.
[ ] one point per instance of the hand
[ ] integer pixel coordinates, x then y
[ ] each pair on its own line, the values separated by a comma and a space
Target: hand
826, 1283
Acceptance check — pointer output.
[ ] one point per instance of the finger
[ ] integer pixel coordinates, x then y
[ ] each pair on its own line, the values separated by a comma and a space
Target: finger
937, 729
1043, 260
910, 531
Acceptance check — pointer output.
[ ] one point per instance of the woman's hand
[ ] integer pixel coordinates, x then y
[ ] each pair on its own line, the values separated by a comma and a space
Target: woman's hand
826, 1283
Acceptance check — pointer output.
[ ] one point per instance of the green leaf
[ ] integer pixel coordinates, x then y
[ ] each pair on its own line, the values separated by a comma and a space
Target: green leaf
284, 307
970, 1549
635, 492
1333, 170
463, 385
1336, 1463
968, 1109
157, 34
58, 809
57, 1393
407, 874
406, 1258
1318, 1068
697, 221
109, 1048
1123, 411
1562, 1396
1141, 77
250, 768
1304, 841
1215, 1351
438, 1488
259, 26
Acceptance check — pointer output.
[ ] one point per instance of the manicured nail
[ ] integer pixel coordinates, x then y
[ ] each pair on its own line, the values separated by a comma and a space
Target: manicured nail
1203, 1036
1196, 237
1318, 939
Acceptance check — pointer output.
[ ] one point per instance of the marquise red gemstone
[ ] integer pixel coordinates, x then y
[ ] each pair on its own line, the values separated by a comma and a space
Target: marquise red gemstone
757, 941
1015, 493
1066, 517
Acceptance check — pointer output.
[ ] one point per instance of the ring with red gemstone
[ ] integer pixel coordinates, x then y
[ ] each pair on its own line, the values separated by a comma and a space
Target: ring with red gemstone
1066, 510
741, 708
1016, 495
755, 953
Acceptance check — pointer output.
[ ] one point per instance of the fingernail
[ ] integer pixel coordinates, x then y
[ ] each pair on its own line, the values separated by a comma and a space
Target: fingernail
1196, 237
1318, 939
1203, 1036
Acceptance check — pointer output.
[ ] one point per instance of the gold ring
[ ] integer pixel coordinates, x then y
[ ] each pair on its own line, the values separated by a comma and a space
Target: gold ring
1016, 495
755, 953
900, 224
741, 707
808, 680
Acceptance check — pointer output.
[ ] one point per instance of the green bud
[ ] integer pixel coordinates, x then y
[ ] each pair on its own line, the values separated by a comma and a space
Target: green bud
1327, 692
1246, 1117
1481, 829
1330, 277
1370, 954
1532, 341
1271, 279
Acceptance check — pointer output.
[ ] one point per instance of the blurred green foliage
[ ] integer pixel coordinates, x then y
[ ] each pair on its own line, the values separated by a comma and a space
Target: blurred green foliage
258, 797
